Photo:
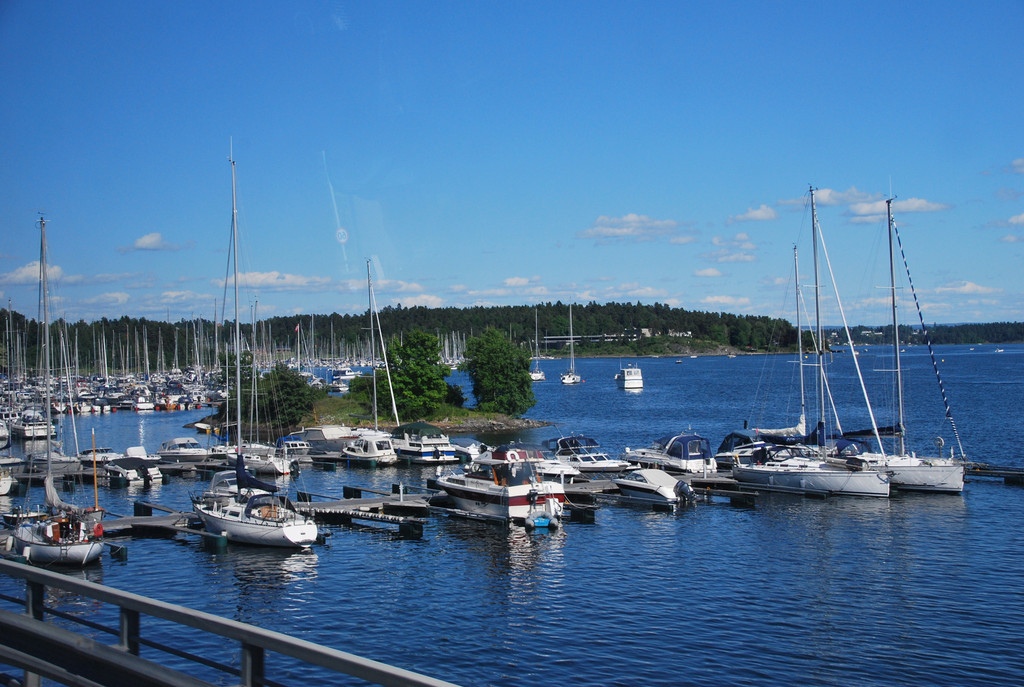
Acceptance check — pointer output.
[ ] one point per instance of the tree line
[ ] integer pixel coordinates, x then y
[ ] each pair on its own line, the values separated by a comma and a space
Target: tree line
140, 344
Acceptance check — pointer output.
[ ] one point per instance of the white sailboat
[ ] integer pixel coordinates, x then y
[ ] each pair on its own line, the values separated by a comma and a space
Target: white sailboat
810, 469
536, 374
570, 376
237, 505
66, 534
907, 471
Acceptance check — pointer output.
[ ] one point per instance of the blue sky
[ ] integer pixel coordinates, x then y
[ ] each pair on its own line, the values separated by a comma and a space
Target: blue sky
509, 153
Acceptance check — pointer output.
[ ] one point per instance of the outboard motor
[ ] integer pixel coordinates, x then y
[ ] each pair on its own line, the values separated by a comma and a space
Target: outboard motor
685, 492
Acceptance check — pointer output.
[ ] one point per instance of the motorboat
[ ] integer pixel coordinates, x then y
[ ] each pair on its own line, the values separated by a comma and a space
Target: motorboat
582, 453
293, 446
371, 452
182, 450
268, 465
684, 452
343, 374
327, 438
503, 484
422, 443
132, 470
98, 456
650, 485
7, 481
629, 377
32, 424
467, 449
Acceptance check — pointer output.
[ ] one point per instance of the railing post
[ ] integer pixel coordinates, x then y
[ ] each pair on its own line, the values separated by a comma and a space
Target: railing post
252, 665
35, 599
35, 606
130, 629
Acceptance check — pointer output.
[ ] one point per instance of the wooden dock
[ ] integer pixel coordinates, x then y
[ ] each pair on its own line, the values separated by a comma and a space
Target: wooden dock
1009, 475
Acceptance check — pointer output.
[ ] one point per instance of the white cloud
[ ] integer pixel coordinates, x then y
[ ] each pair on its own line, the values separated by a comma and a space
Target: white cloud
425, 300
726, 255
1010, 238
631, 226
966, 287
1017, 166
29, 274
113, 298
740, 241
278, 281
909, 205
154, 242
517, 281
827, 196
708, 272
683, 239
726, 300
1017, 219
760, 214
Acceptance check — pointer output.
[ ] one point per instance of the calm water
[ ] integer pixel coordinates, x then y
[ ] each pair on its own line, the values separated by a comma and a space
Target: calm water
911, 590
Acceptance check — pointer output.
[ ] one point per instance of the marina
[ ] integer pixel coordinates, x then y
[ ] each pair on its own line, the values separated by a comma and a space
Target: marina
369, 572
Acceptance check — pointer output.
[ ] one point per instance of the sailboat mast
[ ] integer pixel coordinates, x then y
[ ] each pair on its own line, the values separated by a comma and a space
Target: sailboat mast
820, 341
900, 438
43, 284
238, 319
799, 337
373, 367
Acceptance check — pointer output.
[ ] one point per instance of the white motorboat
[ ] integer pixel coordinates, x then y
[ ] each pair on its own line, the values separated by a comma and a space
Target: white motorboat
371, 452
650, 485
99, 456
327, 438
7, 481
32, 424
503, 484
182, 450
684, 452
629, 377
422, 443
293, 446
581, 453
132, 470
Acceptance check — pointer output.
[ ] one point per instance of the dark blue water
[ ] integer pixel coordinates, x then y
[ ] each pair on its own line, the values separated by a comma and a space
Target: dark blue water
911, 590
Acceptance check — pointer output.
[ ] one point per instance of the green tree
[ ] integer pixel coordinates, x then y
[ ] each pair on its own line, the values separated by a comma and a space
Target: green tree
284, 398
417, 375
500, 373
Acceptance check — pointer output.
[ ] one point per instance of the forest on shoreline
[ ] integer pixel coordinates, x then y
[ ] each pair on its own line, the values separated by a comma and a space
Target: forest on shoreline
610, 329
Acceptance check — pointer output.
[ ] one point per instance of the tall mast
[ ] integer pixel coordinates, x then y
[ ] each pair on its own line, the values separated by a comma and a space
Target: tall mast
238, 319
373, 368
820, 342
799, 338
46, 334
900, 438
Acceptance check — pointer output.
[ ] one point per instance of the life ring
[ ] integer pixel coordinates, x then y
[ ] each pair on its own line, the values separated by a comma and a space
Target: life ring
97, 530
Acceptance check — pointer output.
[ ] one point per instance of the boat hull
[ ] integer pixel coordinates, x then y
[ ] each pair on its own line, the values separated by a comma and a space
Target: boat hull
29, 541
298, 535
502, 503
812, 478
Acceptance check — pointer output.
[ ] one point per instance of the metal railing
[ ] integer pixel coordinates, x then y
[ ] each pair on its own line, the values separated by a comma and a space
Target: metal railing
42, 649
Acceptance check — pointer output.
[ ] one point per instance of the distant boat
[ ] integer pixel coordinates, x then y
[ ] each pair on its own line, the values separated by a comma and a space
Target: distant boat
629, 377
536, 374
570, 376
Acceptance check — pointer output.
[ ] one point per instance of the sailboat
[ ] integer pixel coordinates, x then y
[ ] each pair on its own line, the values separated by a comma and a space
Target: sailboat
237, 505
66, 534
536, 374
906, 470
806, 467
570, 376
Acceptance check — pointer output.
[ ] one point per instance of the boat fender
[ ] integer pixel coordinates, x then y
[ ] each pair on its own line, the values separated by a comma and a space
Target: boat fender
97, 530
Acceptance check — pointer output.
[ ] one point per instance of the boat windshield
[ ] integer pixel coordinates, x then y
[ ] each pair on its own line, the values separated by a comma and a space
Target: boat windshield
512, 474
